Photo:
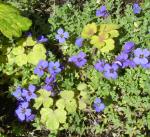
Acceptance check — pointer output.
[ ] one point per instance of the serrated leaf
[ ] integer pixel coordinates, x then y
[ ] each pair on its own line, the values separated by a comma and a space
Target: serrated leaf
67, 95
52, 122
60, 103
61, 115
21, 59
71, 106
39, 48
35, 57
84, 95
14, 23
29, 42
38, 102
82, 105
48, 102
18, 50
45, 113
43, 99
51, 118
82, 86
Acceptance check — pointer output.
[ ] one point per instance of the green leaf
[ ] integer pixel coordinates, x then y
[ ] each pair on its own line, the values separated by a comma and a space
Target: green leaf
67, 101
52, 123
45, 113
82, 86
38, 102
67, 95
21, 60
61, 115
11, 22
60, 103
29, 42
48, 102
38, 53
18, 50
52, 119
43, 99
82, 105
71, 106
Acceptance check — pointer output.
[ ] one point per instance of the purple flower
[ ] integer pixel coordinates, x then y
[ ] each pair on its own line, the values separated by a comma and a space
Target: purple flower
79, 60
129, 63
42, 39
29, 94
54, 68
110, 71
98, 105
136, 8
18, 94
39, 70
30, 118
141, 56
48, 87
49, 82
128, 47
147, 66
79, 42
122, 58
102, 12
99, 66
61, 36
50, 79
23, 111
123, 61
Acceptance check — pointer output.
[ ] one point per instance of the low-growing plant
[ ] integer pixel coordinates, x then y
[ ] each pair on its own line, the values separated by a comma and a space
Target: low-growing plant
92, 78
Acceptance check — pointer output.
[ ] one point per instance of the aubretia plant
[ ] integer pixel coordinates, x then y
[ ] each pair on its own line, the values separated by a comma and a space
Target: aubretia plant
23, 112
91, 79
98, 105
110, 71
136, 8
54, 68
79, 60
41, 67
42, 39
79, 42
99, 66
141, 56
29, 94
102, 12
61, 35
18, 94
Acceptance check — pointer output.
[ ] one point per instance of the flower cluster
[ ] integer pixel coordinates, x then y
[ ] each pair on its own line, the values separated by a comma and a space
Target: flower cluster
53, 68
45, 66
129, 57
79, 59
24, 97
98, 105
124, 59
109, 70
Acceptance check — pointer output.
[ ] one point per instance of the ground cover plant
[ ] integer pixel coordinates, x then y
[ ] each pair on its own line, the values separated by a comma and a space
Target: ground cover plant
83, 71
